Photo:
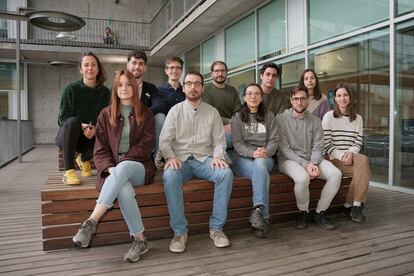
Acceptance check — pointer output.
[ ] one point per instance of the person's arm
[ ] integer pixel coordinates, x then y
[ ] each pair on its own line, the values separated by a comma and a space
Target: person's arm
66, 108
317, 143
102, 154
272, 134
237, 137
167, 135
324, 108
357, 145
141, 149
327, 125
219, 140
284, 145
157, 103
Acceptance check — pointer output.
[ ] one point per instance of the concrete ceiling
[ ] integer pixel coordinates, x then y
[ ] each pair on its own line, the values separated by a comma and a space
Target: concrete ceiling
188, 33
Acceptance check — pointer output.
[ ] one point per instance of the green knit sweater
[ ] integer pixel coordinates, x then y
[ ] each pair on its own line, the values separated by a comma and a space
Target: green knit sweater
83, 102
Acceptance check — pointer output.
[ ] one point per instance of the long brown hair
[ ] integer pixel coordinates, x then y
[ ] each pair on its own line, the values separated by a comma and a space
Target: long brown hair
261, 109
116, 103
101, 77
351, 107
317, 94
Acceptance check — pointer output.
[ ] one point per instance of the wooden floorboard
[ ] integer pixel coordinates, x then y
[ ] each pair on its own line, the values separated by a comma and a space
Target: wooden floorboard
383, 245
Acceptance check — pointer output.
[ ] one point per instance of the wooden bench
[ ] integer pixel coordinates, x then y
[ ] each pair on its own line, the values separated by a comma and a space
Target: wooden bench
64, 207
61, 162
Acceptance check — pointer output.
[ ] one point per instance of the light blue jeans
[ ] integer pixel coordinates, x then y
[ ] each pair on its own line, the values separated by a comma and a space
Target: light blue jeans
258, 170
173, 188
120, 184
159, 119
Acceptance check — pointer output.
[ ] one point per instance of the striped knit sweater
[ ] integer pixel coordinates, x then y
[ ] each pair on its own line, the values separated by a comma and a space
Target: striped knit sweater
341, 135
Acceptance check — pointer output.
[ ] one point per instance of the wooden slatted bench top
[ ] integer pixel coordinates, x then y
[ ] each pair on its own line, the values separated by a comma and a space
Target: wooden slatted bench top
64, 207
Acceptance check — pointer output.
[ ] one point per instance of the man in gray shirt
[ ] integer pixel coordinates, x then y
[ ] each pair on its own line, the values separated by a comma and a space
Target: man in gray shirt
192, 141
300, 156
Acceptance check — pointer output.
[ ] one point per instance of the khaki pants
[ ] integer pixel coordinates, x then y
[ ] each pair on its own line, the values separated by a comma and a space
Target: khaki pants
360, 173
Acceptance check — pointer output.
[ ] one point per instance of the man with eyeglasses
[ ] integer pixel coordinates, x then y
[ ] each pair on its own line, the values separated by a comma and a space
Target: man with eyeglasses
273, 99
222, 96
170, 93
193, 143
300, 156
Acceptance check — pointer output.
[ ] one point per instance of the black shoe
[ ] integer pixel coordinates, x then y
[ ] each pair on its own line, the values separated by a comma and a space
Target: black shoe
262, 233
303, 220
322, 220
347, 212
356, 214
256, 219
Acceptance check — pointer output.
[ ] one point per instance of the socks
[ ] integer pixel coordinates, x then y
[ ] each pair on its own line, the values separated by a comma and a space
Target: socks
347, 205
357, 203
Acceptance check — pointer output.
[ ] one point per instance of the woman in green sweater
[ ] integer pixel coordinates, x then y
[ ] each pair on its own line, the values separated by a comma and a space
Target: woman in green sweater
79, 108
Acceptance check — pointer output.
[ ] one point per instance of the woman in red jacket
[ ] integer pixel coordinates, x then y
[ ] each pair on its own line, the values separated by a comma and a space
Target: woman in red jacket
125, 136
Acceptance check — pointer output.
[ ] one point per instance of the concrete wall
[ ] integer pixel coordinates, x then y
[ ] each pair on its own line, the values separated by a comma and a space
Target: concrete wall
129, 10
46, 83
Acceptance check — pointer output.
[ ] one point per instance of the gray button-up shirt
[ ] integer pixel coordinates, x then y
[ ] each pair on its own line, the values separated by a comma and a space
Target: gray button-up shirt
189, 132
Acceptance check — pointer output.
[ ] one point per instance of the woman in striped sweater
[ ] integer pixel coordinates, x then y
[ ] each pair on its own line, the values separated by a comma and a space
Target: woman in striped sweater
343, 141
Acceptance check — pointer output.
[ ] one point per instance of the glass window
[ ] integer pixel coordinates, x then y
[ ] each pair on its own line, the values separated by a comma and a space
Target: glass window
192, 60
208, 50
240, 42
291, 69
331, 18
8, 76
240, 80
272, 29
404, 6
4, 105
404, 99
363, 62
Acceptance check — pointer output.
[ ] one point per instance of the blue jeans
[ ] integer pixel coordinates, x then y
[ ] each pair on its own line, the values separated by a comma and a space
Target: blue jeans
120, 184
159, 119
258, 171
173, 183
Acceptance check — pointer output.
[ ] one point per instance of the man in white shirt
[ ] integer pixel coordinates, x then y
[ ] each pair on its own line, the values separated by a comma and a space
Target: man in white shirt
193, 143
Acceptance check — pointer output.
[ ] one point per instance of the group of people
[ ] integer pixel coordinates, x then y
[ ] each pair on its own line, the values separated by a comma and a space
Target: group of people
205, 131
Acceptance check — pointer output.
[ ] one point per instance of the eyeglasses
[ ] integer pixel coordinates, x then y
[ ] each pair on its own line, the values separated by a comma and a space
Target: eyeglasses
301, 99
197, 84
251, 94
174, 68
220, 71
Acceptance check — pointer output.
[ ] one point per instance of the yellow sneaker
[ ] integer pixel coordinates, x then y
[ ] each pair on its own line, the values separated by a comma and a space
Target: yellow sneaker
84, 166
70, 177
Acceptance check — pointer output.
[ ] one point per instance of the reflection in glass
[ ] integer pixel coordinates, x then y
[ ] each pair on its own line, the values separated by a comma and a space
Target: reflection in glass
404, 6
241, 80
192, 60
404, 99
208, 50
363, 63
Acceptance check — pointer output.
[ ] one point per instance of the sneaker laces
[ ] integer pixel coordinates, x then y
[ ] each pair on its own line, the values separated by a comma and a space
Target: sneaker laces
87, 226
219, 234
86, 166
71, 173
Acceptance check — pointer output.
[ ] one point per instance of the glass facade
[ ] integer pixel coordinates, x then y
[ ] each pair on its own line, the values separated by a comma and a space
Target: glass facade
8, 76
271, 29
331, 18
192, 59
361, 58
240, 42
404, 103
208, 55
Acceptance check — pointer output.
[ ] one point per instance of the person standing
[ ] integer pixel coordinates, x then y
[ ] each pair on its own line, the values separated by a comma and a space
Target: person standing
343, 131
318, 102
79, 108
122, 155
300, 157
255, 139
192, 141
273, 99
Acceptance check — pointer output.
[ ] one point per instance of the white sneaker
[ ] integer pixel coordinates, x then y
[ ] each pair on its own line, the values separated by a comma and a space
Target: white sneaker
177, 244
219, 238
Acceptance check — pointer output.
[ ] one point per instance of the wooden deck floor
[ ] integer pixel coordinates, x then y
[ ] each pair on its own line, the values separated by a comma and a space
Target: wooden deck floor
384, 245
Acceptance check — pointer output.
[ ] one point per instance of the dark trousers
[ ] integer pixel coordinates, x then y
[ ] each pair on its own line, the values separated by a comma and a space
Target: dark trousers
70, 139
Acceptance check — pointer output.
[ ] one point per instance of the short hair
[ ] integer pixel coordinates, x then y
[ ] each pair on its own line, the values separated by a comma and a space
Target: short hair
138, 55
195, 73
218, 62
101, 77
271, 65
298, 88
173, 59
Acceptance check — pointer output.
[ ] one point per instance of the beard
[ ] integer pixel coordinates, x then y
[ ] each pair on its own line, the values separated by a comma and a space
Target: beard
299, 111
219, 80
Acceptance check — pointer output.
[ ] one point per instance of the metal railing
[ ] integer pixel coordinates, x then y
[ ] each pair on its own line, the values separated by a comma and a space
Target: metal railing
169, 16
8, 141
128, 35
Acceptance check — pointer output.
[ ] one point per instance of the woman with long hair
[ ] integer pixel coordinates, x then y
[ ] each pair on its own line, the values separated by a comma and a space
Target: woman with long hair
125, 136
255, 141
80, 105
343, 141
318, 103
